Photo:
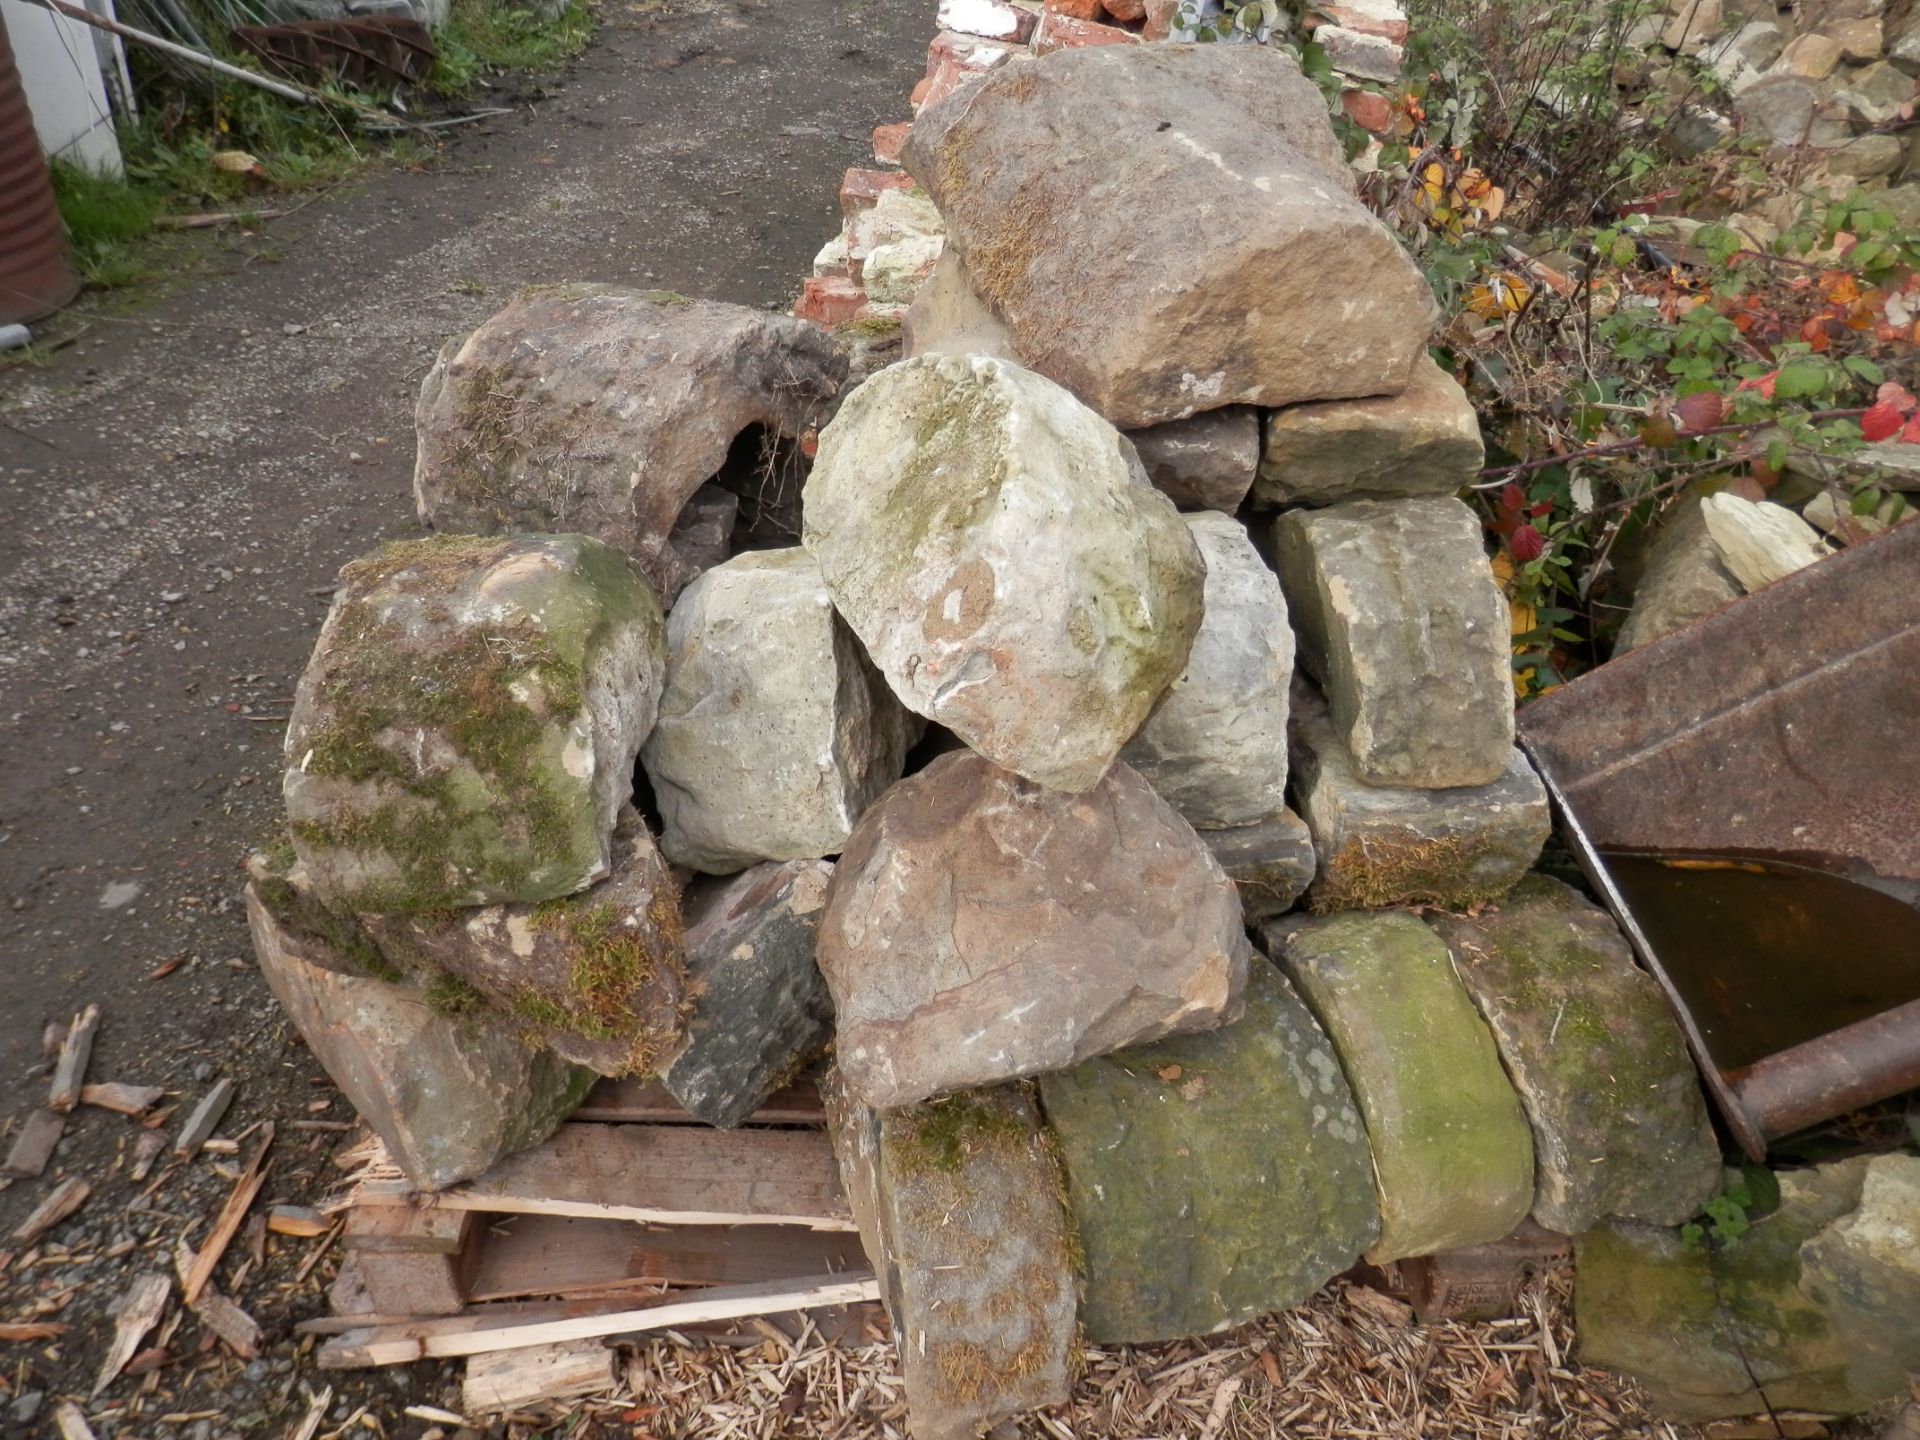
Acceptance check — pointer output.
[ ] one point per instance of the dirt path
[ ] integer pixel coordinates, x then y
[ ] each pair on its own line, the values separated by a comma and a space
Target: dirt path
178, 490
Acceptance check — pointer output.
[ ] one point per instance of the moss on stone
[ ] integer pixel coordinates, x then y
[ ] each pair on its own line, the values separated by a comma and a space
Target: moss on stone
1373, 871
450, 997
941, 1136
297, 911
611, 963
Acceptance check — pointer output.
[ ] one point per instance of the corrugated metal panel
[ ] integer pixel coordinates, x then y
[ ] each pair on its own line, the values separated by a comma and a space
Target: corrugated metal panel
35, 279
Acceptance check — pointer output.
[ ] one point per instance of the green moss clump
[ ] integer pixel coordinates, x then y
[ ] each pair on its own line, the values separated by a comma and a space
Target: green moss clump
298, 911
450, 997
1375, 871
939, 1136
612, 965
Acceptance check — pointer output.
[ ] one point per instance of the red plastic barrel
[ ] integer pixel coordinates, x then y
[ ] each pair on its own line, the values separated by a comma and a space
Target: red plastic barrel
35, 278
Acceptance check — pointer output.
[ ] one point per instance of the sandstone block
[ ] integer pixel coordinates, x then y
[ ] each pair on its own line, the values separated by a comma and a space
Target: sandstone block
1365, 57
1205, 462
993, 543
1380, 846
958, 1202
1213, 1178
980, 928
1452, 1157
1216, 746
759, 1010
1060, 31
598, 978
465, 730
775, 731
593, 409
1423, 441
1619, 1126
1325, 305
1401, 622
948, 318
448, 1096
1271, 862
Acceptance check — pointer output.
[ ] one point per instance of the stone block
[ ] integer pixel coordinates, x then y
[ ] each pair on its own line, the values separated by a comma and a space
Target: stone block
861, 189
1213, 1178
887, 140
958, 1202
989, 19
1401, 622
1060, 31
948, 318
980, 928
465, 729
1619, 1125
829, 301
1270, 862
759, 1010
1380, 846
1363, 56
1423, 441
1205, 462
1452, 1156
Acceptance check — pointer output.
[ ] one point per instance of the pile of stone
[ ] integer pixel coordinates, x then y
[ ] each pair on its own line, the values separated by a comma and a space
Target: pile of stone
892, 234
1118, 776
1832, 77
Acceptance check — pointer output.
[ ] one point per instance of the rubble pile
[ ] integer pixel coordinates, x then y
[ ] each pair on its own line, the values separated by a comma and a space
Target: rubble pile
1117, 777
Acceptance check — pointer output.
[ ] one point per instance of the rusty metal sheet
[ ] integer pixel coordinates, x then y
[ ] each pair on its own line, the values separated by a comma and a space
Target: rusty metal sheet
1785, 727
386, 48
1787, 724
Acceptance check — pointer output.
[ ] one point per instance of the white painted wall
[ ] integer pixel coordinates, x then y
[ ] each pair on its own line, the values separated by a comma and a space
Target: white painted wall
59, 68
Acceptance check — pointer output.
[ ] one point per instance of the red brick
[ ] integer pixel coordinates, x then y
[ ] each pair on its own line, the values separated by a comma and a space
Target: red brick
919, 95
1368, 109
1160, 15
861, 188
887, 140
1130, 12
1061, 32
829, 300
1077, 9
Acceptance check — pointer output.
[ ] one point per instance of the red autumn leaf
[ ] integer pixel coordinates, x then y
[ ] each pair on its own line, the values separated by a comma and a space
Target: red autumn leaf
1526, 544
1882, 422
1911, 435
1657, 431
1891, 393
1700, 412
1762, 383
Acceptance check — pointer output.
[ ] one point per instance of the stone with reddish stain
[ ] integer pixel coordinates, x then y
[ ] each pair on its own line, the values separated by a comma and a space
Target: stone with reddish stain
1160, 16
996, 546
1327, 303
599, 410
887, 140
1127, 12
1365, 57
980, 928
1059, 31
1368, 17
1423, 441
1076, 9
954, 60
829, 300
1368, 109
989, 19
1400, 620
859, 189
1204, 462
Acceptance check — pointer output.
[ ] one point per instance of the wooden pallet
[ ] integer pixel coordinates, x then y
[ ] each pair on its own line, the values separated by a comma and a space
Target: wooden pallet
631, 1217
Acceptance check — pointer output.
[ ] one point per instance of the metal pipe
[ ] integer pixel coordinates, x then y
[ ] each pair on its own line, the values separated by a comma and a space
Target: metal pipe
1859, 1064
183, 52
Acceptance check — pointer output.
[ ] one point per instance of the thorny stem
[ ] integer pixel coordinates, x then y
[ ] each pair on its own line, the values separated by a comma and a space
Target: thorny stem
1621, 447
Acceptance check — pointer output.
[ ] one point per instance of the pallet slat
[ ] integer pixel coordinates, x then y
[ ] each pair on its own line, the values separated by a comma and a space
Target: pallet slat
663, 1174
632, 1101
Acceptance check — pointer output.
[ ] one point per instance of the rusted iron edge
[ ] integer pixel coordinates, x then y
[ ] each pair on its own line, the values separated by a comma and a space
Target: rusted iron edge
1725, 1098
1871, 1060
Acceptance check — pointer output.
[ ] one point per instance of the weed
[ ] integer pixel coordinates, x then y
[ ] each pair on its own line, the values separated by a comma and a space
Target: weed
480, 38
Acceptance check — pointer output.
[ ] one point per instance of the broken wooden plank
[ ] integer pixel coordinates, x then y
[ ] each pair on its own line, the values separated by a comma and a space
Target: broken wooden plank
402, 1344
664, 1174
146, 1149
140, 1310
423, 1282
309, 1425
632, 1101
406, 1230
25, 1332
33, 1147
230, 1323
121, 1099
211, 1110
66, 1197
71, 1069
303, 1222
473, 1317
513, 1379
564, 1255
227, 1225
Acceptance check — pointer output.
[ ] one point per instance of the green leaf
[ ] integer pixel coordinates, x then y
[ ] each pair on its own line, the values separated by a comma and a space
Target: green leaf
1864, 368
1777, 456
1800, 380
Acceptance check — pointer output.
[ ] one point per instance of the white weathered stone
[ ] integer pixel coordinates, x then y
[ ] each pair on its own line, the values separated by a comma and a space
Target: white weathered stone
1759, 542
1216, 747
893, 273
775, 731
1694, 23
991, 19
996, 546
1365, 57
896, 216
1401, 621
1684, 580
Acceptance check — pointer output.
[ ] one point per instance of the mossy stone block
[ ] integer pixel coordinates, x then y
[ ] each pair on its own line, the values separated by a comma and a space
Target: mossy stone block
1619, 1125
1451, 1153
958, 1203
466, 728
1215, 1177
